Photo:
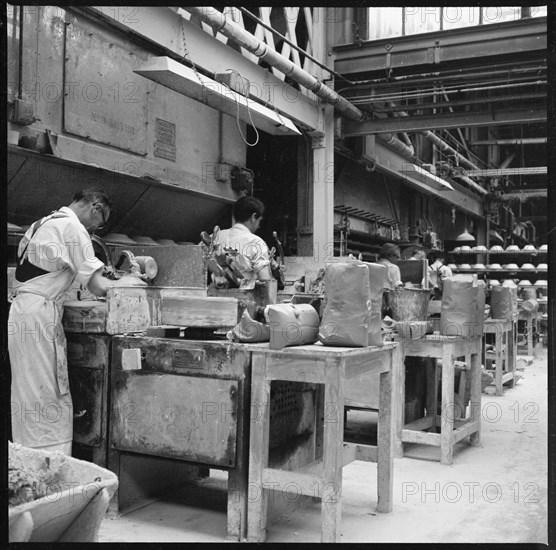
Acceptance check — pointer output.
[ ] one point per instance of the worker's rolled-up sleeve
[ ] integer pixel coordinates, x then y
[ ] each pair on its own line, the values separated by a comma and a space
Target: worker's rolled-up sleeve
257, 252
82, 257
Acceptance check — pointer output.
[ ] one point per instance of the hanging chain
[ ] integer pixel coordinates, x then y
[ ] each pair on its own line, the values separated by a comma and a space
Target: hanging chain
269, 103
186, 55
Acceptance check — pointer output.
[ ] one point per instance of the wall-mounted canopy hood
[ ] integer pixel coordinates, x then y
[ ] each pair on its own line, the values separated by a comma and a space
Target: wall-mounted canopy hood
182, 79
38, 184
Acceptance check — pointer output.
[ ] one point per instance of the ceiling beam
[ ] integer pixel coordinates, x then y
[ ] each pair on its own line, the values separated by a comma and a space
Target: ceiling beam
468, 43
518, 141
420, 123
518, 171
526, 194
446, 104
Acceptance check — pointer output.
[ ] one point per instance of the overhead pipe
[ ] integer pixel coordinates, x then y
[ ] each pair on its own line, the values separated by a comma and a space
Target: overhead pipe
470, 183
499, 68
230, 29
290, 43
405, 138
392, 141
518, 141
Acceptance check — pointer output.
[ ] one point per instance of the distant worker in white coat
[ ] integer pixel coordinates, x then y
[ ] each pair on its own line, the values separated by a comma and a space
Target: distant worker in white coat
248, 214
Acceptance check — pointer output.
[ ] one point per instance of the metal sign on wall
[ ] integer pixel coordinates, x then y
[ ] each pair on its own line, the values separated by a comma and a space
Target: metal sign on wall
104, 100
165, 139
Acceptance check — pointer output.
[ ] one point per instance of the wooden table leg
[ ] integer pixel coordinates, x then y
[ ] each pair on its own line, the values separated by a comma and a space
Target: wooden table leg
332, 452
257, 500
447, 412
512, 348
498, 370
432, 390
397, 368
385, 442
238, 476
530, 347
475, 408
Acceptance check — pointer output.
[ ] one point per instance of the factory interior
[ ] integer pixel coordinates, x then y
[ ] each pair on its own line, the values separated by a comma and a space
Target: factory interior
279, 274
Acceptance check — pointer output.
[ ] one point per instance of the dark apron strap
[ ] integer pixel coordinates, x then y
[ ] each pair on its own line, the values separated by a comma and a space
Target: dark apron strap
25, 270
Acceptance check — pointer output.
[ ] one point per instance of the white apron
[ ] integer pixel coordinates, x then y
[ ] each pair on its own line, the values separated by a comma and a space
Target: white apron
41, 405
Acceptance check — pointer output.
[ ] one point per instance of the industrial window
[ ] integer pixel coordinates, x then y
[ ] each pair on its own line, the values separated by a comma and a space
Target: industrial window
391, 22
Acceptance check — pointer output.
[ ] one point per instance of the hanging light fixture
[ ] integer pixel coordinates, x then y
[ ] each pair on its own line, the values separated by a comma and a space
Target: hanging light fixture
465, 237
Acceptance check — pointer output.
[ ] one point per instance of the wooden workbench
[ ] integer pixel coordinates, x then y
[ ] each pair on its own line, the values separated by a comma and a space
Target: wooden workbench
453, 428
334, 368
530, 320
504, 348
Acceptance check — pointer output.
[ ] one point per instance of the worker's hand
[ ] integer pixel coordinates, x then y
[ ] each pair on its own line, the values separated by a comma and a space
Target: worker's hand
129, 279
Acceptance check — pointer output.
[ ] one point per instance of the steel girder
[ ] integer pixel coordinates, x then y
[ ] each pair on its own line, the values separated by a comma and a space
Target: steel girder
469, 44
492, 117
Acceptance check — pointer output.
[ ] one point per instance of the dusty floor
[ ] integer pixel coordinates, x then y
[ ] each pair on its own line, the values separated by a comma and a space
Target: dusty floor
493, 493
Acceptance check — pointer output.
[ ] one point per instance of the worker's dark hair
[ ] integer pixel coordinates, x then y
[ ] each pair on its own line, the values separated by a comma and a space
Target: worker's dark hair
436, 255
245, 207
388, 250
412, 250
91, 194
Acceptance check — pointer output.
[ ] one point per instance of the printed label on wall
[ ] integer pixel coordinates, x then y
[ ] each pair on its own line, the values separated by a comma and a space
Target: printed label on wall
165, 140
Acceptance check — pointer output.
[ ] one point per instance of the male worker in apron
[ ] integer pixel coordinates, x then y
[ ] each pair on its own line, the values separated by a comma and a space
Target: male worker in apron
254, 254
54, 252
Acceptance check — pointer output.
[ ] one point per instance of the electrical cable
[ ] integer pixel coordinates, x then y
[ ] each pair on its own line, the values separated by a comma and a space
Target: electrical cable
246, 93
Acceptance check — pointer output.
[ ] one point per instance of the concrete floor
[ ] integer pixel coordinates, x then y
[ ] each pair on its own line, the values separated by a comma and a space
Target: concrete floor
493, 493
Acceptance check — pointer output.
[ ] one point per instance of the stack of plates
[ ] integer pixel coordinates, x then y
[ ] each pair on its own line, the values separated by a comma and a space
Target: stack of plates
496, 248
541, 282
511, 267
525, 282
529, 248
452, 266
542, 267
145, 241
464, 266
465, 249
494, 266
166, 241
479, 267
457, 249
512, 248
479, 248
527, 267
494, 282
543, 248
118, 238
